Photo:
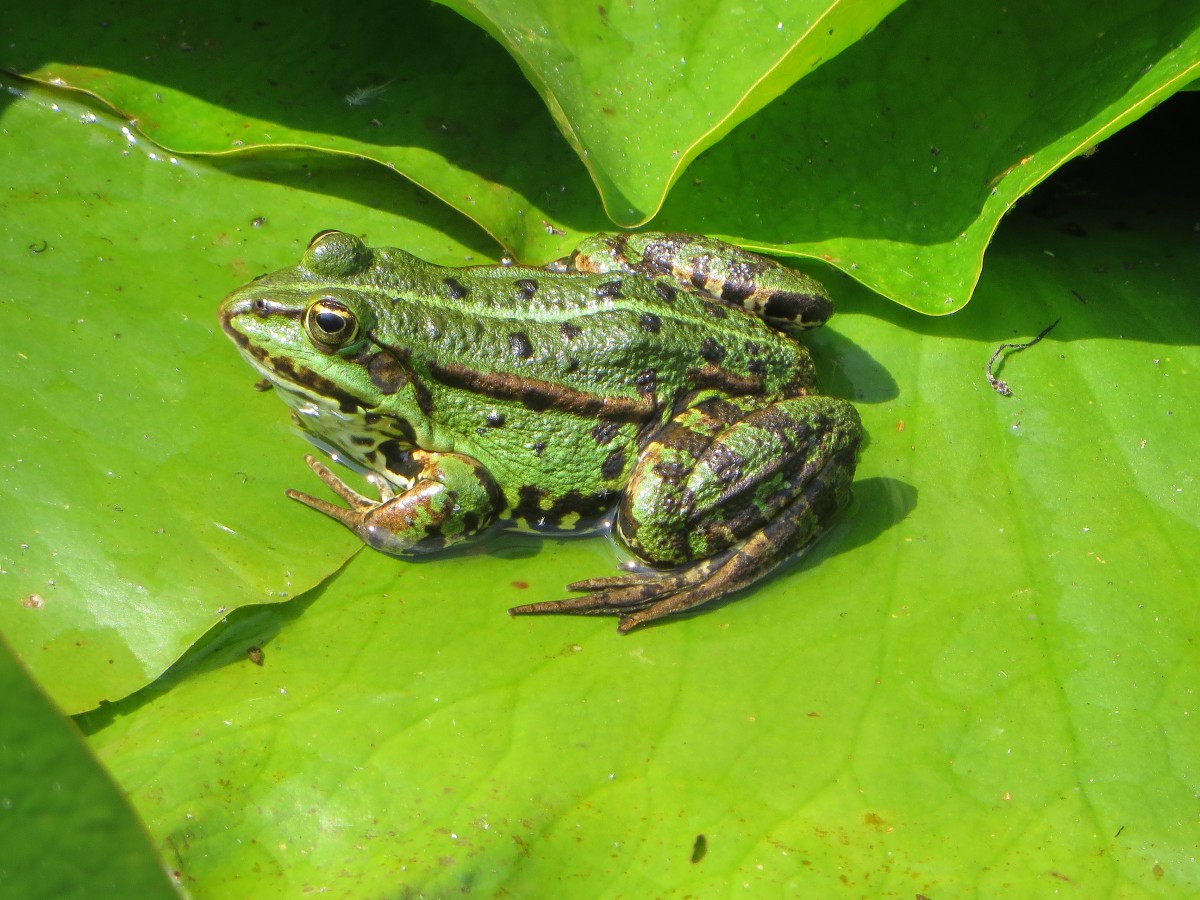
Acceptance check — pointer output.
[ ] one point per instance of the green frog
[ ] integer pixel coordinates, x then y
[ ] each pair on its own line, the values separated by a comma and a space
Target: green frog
649, 381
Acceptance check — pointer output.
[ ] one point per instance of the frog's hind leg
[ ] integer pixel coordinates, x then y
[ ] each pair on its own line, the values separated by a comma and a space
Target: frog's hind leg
787, 298
641, 599
724, 499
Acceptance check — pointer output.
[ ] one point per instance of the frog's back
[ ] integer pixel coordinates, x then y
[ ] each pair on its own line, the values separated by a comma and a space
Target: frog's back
619, 336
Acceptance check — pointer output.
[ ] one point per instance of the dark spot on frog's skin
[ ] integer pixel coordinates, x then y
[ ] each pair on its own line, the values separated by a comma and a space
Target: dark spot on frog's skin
407, 436
688, 445
526, 287
614, 465
604, 432
711, 351
739, 281
495, 420
726, 464
539, 448
792, 432
669, 472
518, 342
736, 292
470, 522
386, 373
362, 440
370, 456
753, 348
700, 272
455, 289
589, 507
569, 331
646, 381
610, 290
665, 291
717, 312
570, 364
756, 365
723, 411
529, 505
805, 309
650, 323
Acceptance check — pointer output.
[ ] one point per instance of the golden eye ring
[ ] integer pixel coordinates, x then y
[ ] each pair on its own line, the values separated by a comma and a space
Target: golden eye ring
330, 324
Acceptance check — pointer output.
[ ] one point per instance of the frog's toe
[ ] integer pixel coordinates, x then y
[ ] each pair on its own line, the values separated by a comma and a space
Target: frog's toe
637, 598
356, 500
633, 579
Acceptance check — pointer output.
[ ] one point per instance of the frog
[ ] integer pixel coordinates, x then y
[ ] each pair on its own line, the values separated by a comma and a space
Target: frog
648, 383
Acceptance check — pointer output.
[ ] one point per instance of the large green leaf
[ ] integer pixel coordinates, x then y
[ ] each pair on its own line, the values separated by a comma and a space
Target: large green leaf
893, 160
66, 829
981, 683
640, 90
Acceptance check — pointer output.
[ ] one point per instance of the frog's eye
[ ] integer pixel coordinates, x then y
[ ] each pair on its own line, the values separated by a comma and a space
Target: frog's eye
330, 324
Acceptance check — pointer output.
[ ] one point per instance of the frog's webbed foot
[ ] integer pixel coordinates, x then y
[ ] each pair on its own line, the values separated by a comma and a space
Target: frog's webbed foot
641, 597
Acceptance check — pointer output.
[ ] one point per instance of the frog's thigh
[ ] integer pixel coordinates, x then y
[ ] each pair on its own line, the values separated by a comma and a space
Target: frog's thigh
699, 490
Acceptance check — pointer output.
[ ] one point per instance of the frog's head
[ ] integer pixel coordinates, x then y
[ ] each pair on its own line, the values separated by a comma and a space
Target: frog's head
310, 330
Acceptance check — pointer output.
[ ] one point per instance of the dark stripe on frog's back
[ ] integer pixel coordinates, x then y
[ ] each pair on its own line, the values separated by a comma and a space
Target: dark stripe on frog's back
576, 342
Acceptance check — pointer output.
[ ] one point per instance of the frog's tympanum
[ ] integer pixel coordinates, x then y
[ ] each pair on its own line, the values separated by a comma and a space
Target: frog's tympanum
654, 375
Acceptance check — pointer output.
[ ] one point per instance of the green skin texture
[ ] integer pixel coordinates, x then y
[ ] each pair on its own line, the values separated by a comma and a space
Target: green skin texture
653, 372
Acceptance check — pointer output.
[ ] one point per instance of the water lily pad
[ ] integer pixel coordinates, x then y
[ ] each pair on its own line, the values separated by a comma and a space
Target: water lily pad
66, 828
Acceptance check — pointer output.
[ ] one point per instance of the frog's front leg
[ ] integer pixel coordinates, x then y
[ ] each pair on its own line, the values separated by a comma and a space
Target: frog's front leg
727, 491
449, 497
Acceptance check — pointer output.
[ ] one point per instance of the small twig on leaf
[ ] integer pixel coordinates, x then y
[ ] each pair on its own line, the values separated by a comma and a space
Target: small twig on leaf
999, 385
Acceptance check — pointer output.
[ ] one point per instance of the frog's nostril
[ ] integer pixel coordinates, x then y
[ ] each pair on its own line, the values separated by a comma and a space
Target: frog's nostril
259, 306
